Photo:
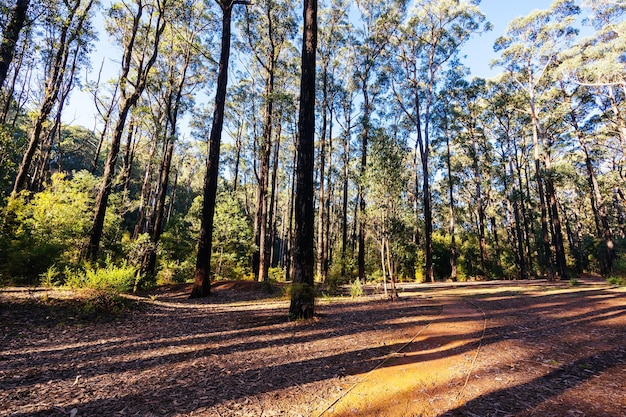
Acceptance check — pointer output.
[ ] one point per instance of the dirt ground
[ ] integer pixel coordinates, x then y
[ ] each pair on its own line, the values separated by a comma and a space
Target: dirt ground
498, 348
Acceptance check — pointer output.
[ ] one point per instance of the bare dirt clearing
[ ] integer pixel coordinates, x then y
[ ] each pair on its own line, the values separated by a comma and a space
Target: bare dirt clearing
479, 349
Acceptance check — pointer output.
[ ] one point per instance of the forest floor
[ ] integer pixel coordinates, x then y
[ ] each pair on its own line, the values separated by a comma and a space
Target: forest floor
497, 348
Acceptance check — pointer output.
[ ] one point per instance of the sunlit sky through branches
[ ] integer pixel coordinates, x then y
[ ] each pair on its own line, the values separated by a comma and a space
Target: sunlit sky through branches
478, 54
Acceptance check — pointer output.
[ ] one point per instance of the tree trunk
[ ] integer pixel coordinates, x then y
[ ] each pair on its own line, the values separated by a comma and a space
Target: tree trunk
515, 197
303, 292
346, 179
129, 156
545, 235
126, 104
53, 86
202, 276
451, 222
322, 179
10, 37
262, 193
145, 190
290, 214
329, 191
107, 180
271, 236
361, 215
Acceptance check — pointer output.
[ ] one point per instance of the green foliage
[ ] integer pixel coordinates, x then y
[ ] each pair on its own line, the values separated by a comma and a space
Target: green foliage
233, 239
618, 272
574, 282
356, 288
276, 274
102, 304
51, 278
302, 301
173, 271
11, 142
52, 228
111, 277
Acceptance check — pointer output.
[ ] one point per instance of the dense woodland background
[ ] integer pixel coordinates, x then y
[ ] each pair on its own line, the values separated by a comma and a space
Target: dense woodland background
421, 172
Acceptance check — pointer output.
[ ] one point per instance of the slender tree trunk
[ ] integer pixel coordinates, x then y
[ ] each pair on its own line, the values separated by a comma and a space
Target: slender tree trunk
126, 104
573, 243
515, 197
159, 209
202, 276
129, 156
322, 179
392, 272
344, 207
480, 207
559, 250
53, 87
621, 215
271, 236
10, 37
302, 294
361, 215
145, 191
496, 244
290, 214
451, 222
106, 119
107, 180
8, 93
238, 147
329, 192
547, 249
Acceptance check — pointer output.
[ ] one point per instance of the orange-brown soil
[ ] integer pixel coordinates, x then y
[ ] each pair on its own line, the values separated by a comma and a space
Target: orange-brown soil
527, 348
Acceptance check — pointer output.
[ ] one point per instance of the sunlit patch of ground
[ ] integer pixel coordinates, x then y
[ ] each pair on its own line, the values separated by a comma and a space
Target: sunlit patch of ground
528, 348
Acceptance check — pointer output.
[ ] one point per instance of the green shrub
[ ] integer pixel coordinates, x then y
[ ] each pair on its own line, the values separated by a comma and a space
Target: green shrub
52, 228
356, 288
617, 281
172, 271
276, 274
103, 304
619, 269
122, 278
51, 278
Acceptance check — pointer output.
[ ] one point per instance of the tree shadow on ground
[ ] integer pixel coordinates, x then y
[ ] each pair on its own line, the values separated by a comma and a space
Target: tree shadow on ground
171, 361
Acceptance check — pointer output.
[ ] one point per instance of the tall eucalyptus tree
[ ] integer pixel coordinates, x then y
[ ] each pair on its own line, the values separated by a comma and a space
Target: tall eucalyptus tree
71, 37
379, 20
183, 70
333, 34
529, 52
11, 35
268, 26
430, 38
138, 26
202, 275
303, 291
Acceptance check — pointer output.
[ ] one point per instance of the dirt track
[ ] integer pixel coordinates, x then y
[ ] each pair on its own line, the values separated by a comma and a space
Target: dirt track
487, 349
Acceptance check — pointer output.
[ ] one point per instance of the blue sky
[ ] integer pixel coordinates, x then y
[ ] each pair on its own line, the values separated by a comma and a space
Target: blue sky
479, 50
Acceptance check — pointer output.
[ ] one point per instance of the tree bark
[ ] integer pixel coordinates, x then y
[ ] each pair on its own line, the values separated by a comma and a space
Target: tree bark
11, 36
53, 86
322, 179
451, 222
126, 104
545, 235
202, 276
303, 291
